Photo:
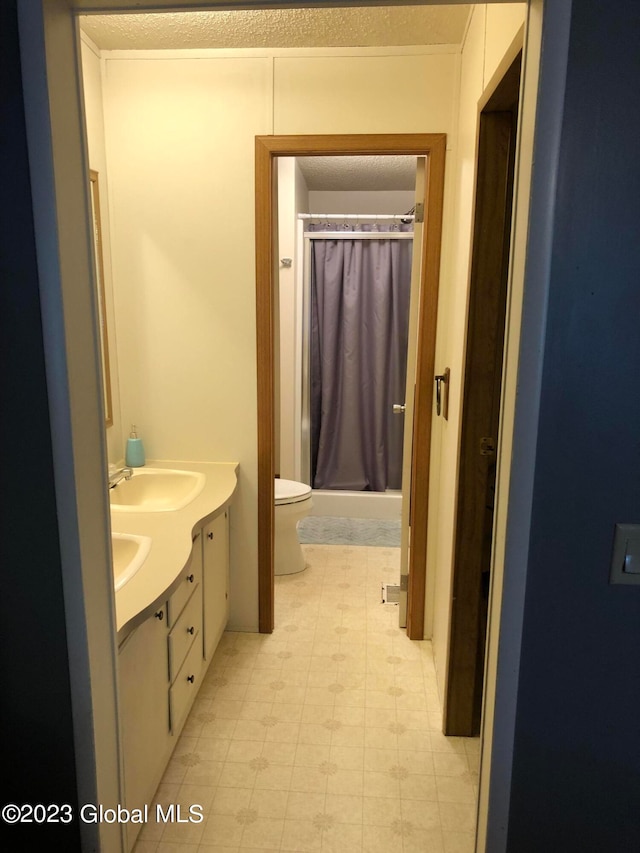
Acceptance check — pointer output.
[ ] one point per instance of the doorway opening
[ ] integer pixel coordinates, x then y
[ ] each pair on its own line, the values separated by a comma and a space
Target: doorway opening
345, 241
345, 234
481, 405
268, 150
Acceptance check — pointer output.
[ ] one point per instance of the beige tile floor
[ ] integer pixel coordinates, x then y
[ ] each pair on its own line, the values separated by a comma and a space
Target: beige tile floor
325, 735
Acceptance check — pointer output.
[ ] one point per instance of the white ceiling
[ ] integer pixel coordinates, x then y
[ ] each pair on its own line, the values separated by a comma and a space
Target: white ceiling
359, 173
368, 26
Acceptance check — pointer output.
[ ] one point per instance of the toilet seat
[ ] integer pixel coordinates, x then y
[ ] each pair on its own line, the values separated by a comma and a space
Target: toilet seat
290, 492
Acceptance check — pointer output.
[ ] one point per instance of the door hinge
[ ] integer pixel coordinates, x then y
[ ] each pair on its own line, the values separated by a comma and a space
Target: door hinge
404, 583
419, 214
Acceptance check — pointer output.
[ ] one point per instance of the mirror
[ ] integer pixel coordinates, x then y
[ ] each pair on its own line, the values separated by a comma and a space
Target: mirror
102, 305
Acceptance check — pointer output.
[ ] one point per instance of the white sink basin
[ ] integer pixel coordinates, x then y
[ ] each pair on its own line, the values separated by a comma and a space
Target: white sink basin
156, 490
129, 553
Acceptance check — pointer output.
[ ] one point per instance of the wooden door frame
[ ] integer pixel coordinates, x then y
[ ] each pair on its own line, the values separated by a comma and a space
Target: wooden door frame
486, 317
268, 148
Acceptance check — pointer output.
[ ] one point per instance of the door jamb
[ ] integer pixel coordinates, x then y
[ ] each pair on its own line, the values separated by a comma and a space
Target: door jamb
433, 146
489, 251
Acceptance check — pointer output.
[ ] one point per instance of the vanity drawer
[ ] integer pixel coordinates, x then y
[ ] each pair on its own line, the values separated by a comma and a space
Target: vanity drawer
185, 688
189, 579
187, 627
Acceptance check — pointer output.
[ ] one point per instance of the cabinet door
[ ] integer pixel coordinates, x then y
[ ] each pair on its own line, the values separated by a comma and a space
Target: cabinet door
144, 711
215, 581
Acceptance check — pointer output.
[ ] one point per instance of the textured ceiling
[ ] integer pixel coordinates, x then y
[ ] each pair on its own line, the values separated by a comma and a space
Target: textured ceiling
359, 173
369, 26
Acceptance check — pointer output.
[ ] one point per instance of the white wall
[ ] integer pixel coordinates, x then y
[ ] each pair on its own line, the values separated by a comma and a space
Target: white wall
359, 92
300, 403
293, 198
491, 31
180, 143
92, 80
180, 130
378, 201
502, 23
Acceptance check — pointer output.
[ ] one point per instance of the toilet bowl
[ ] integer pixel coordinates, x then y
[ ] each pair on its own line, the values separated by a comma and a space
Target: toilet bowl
293, 503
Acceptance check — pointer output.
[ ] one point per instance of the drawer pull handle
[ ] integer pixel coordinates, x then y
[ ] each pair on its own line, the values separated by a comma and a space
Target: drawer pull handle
209, 535
191, 678
190, 630
190, 578
159, 615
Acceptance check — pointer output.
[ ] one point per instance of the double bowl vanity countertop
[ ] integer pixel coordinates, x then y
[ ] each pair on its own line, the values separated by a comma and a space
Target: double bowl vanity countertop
171, 534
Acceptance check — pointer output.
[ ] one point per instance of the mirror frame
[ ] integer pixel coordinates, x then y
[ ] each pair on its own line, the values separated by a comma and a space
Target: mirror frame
102, 302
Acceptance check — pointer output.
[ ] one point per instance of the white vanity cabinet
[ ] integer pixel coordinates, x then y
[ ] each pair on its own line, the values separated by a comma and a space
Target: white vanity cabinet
144, 681
170, 616
163, 661
160, 672
215, 577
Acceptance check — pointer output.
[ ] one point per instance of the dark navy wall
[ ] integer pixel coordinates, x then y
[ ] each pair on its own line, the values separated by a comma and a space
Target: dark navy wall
38, 763
576, 774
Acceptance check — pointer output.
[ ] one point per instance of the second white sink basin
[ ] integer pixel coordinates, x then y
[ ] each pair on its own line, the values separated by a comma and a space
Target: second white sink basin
129, 552
156, 490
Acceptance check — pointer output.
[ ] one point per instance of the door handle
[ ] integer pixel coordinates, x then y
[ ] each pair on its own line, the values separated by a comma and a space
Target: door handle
442, 396
399, 408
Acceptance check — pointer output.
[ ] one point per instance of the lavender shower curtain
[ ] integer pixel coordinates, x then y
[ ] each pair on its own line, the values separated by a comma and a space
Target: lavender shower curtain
359, 326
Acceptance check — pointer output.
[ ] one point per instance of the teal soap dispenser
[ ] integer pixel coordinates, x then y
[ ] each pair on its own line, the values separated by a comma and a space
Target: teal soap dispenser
134, 456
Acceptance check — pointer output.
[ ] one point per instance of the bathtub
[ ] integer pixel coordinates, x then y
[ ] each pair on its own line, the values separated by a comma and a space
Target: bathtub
343, 504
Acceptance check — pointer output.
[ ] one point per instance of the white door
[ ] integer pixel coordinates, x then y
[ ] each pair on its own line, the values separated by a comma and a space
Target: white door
412, 350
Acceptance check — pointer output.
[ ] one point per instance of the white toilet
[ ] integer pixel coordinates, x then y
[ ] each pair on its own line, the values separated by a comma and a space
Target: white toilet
293, 503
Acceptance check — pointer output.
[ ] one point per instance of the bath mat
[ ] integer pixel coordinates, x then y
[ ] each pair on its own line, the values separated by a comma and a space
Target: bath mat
330, 530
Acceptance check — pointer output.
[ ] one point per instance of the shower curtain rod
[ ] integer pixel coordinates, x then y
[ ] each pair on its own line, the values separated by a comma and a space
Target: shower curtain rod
410, 217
